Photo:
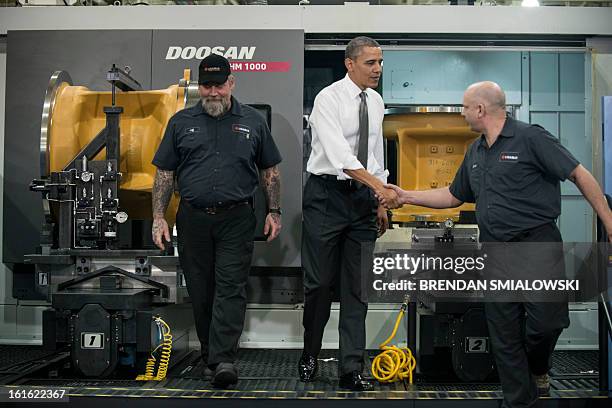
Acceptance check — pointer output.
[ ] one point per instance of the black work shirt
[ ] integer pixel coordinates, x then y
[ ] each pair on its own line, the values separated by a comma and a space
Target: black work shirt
516, 182
216, 159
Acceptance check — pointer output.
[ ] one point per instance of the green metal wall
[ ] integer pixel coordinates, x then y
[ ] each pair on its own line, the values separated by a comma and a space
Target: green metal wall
556, 86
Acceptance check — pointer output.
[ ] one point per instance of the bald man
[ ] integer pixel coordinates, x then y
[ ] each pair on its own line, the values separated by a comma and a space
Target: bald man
513, 173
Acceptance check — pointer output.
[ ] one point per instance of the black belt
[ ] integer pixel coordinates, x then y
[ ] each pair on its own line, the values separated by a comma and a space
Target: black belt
220, 208
348, 184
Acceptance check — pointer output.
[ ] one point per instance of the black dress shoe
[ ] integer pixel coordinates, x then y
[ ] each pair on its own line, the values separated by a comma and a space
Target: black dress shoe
225, 375
307, 367
354, 382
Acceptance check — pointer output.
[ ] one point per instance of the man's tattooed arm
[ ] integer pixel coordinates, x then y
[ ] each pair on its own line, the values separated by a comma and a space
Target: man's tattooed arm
270, 180
162, 192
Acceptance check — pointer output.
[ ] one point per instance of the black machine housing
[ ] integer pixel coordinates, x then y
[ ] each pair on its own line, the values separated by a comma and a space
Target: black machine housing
453, 339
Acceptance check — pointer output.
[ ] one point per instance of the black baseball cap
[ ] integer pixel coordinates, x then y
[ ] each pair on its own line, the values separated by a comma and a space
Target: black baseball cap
214, 69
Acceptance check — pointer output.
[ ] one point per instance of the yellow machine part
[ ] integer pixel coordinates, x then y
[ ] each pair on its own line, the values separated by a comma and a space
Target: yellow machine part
430, 149
78, 116
432, 120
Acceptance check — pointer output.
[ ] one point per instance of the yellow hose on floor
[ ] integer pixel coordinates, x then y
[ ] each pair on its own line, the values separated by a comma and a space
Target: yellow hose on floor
164, 360
394, 363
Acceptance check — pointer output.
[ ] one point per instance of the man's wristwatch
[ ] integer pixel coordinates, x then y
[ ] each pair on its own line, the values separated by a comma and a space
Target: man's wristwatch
275, 211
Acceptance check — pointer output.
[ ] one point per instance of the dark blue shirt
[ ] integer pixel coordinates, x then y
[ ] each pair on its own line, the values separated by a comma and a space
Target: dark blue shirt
516, 182
216, 160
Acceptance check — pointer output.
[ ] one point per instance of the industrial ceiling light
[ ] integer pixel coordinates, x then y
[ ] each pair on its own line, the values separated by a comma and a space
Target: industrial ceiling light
530, 3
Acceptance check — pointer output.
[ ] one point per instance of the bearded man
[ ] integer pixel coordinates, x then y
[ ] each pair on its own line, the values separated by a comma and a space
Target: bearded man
217, 150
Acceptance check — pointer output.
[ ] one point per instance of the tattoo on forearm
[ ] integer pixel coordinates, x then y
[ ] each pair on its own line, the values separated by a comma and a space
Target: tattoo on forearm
162, 191
271, 184
276, 218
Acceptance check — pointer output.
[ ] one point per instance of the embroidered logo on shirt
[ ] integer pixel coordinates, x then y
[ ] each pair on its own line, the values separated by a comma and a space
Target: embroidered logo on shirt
474, 165
509, 157
242, 129
192, 130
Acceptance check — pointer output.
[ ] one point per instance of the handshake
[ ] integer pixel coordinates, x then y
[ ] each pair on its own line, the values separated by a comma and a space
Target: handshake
391, 196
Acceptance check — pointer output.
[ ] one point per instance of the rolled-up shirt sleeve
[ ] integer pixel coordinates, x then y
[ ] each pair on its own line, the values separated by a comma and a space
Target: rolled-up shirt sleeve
326, 128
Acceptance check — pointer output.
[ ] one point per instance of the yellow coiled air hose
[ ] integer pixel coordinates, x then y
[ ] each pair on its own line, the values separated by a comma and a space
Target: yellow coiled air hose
394, 363
164, 359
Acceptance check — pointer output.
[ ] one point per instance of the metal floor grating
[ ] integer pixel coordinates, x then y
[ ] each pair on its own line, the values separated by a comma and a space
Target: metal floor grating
275, 364
272, 374
574, 383
10, 354
458, 387
81, 383
579, 362
199, 389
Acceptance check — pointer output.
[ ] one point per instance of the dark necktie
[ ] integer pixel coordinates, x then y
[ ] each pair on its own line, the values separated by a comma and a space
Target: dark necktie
362, 151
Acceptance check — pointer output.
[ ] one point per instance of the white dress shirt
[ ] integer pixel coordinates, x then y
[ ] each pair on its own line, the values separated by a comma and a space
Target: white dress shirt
335, 131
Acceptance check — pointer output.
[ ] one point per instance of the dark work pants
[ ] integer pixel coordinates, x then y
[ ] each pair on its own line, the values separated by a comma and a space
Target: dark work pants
215, 253
523, 335
337, 220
